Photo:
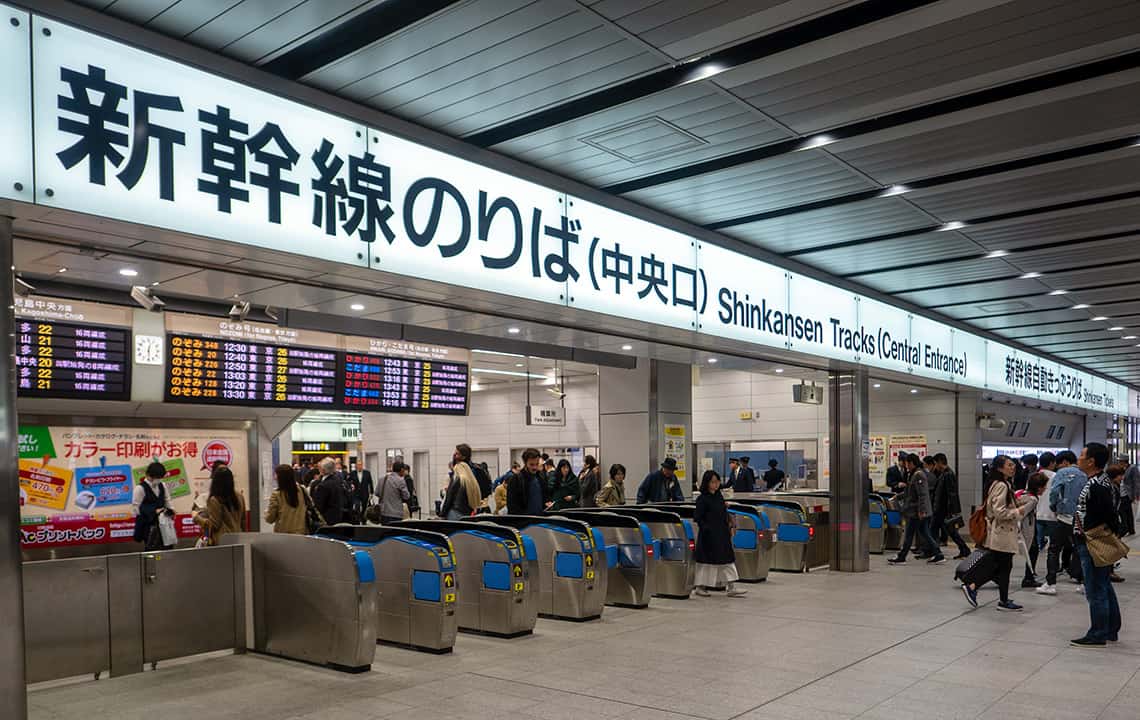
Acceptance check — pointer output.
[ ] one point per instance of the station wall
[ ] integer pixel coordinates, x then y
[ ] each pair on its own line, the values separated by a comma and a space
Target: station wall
496, 423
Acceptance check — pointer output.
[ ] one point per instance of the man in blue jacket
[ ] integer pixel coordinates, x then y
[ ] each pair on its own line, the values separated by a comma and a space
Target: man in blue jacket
1066, 489
661, 486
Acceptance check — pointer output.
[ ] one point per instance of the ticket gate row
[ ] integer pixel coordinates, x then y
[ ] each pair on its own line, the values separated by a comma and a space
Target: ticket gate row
793, 534
816, 506
752, 538
628, 545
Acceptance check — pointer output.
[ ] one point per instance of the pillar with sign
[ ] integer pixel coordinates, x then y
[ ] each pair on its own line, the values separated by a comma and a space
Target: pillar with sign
850, 481
646, 415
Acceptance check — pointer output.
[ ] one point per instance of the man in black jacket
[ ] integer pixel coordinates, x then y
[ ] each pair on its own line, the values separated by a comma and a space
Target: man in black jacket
360, 480
1097, 508
947, 504
526, 488
660, 486
329, 495
895, 477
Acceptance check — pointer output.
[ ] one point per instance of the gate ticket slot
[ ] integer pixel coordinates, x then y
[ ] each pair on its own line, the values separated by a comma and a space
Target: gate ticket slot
64, 360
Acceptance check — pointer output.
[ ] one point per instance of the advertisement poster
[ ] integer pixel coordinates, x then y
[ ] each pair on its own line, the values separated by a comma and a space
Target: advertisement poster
905, 443
76, 483
877, 459
675, 442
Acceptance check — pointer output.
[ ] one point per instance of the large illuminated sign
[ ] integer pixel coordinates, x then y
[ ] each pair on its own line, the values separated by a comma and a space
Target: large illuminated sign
123, 133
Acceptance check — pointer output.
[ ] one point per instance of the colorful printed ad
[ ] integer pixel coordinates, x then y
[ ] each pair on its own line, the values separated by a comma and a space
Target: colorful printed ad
77, 483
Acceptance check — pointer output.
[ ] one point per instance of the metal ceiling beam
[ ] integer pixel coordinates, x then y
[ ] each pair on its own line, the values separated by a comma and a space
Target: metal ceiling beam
1007, 91
814, 30
359, 31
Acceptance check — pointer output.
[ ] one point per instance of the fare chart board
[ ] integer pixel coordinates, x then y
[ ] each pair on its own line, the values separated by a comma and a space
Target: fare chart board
237, 372
65, 360
398, 384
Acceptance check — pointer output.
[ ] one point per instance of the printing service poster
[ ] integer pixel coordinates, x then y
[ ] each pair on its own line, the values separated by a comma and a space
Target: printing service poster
76, 482
877, 459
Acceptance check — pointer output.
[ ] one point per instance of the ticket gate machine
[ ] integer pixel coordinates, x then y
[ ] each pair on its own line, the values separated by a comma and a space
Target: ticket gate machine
314, 599
816, 506
893, 531
752, 538
494, 577
416, 581
631, 567
789, 549
571, 566
876, 525
674, 540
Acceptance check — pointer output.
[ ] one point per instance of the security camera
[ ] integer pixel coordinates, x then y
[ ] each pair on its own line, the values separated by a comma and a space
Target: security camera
239, 310
556, 392
23, 288
147, 299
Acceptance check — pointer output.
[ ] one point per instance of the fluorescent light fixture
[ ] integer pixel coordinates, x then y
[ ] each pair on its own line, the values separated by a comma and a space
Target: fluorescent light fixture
958, 225
894, 190
514, 330
128, 272
520, 364
914, 391
62, 270
1029, 276
712, 361
1098, 318
356, 306
706, 70
510, 373
1128, 337
1114, 328
627, 348
496, 352
1059, 292
996, 254
816, 141
779, 370
1081, 306
877, 385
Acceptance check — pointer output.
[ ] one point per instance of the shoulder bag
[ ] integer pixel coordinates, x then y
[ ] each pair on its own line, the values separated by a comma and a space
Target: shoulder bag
313, 519
1104, 546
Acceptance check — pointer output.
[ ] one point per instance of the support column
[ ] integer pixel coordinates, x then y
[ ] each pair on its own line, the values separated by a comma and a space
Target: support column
642, 411
13, 693
850, 482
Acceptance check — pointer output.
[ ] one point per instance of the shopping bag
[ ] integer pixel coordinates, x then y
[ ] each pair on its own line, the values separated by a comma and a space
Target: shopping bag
166, 527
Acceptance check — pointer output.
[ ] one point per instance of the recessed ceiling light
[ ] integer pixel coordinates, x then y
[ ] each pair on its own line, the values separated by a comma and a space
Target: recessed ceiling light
1114, 328
996, 254
712, 361
958, 225
816, 141
1128, 337
1029, 276
876, 385
894, 190
61, 270
1059, 292
914, 391
356, 306
128, 272
1098, 318
154, 284
1081, 306
513, 330
520, 365
779, 370
627, 348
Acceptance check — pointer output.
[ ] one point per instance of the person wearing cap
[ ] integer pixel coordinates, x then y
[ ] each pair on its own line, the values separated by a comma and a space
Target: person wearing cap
733, 473
660, 486
746, 479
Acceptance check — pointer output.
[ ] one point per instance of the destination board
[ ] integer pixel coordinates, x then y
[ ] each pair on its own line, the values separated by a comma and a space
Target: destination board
66, 360
394, 384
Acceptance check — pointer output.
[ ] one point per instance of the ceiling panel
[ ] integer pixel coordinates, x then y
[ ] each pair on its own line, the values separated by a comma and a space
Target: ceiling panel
754, 188
1108, 271
1081, 331
1077, 253
1003, 43
901, 252
302, 21
977, 292
216, 284
1056, 226
831, 225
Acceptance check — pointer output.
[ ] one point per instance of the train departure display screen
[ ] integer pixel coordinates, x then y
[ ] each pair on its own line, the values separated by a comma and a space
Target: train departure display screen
395, 384
237, 372
64, 360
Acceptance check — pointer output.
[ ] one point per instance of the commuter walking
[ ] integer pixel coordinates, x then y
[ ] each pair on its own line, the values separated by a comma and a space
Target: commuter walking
392, 493
915, 507
774, 477
1003, 527
589, 482
1027, 467
463, 493
662, 486
462, 454
526, 491
1046, 516
151, 500
1129, 497
287, 504
746, 478
715, 558
1096, 514
947, 508
329, 494
1063, 495
896, 480
225, 510
613, 492
360, 480
1030, 499
565, 489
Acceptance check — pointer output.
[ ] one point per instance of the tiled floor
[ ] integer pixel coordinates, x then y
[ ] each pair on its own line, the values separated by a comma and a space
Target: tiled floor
894, 643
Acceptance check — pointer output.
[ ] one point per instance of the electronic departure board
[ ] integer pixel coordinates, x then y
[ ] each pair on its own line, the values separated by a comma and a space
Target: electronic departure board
64, 360
237, 372
394, 384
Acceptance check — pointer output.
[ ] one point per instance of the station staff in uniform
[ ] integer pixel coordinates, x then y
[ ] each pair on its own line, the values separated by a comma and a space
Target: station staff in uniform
149, 498
733, 472
660, 486
746, 478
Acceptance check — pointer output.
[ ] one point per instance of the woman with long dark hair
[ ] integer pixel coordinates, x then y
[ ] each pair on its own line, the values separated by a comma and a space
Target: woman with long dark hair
225, 509
287, 503
716, 560
1003, 527
564, 488
589, 482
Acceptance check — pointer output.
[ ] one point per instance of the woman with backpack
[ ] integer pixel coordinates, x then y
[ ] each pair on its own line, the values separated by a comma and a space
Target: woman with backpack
1003, 514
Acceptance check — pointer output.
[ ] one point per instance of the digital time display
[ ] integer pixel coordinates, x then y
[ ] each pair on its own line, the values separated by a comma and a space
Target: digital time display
65, 360
394, 384
237, 372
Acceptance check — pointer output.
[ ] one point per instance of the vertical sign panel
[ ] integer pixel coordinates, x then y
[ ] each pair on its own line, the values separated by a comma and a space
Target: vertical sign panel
744, 298
15, 105
824, 320
125, 134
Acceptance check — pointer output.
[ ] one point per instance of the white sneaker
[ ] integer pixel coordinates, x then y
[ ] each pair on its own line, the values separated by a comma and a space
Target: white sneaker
1080, 589
702, 592
735, 592
1047, 589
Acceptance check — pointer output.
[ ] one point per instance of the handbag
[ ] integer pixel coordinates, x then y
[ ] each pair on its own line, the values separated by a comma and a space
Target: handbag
978, 527
313, 519
955, 522
1104, 546
166, 528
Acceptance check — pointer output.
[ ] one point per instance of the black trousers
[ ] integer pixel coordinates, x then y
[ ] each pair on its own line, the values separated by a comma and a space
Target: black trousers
939, 521
1127, 517
1004, 569
1061, 550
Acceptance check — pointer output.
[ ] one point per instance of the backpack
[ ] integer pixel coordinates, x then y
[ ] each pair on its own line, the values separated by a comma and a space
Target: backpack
479, 470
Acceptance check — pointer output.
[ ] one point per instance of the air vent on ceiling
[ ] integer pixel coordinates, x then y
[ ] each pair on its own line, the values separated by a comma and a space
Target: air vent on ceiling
643, 139
1004, 307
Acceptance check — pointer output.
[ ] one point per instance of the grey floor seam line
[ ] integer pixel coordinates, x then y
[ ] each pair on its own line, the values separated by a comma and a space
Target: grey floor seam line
592, 697
1118, 692
867, 657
